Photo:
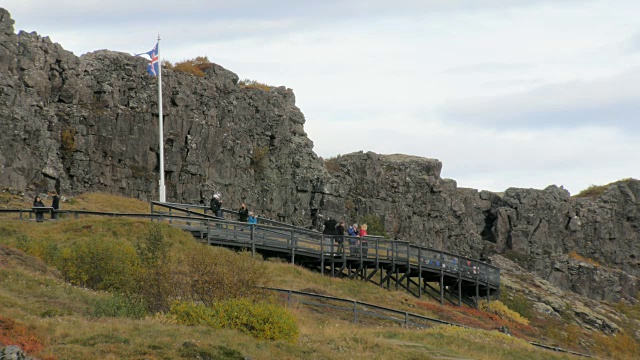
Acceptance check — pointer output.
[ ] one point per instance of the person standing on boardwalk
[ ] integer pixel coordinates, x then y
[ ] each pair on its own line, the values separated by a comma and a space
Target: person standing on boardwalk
353, 242
55, 204
252, 218
363, 240
37, 202
243, 213
328, 233
216, 206
340, 237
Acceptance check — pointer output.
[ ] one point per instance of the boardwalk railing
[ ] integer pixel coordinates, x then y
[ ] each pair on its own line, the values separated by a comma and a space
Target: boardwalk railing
401, 260
419, 270
358, 310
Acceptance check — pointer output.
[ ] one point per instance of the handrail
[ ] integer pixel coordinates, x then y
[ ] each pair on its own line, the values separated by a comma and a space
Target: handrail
449, 262
407, 315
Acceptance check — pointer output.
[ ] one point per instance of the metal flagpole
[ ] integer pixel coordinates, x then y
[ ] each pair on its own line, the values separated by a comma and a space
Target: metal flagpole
163, 197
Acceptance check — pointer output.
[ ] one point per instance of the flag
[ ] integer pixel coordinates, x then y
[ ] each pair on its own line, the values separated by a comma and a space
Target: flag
154, 65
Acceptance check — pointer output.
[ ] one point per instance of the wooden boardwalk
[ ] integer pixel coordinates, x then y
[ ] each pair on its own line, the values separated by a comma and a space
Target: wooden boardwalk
387, 263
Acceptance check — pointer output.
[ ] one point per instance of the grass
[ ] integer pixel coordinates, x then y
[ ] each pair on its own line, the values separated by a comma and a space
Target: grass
574, 255
62, 318
253, 84
595, 191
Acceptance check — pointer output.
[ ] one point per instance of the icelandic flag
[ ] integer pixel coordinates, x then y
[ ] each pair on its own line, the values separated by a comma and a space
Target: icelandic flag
154, 65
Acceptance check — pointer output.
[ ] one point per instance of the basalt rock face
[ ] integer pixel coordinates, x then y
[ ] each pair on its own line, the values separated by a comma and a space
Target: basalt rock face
587, 245
90, 123
408, 196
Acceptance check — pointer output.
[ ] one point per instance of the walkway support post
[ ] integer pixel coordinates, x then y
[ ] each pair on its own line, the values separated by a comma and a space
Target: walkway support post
419, 273
253, 240
293, 247
441, 279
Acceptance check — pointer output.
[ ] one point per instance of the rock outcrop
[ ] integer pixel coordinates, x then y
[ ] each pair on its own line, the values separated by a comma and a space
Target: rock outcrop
90, 123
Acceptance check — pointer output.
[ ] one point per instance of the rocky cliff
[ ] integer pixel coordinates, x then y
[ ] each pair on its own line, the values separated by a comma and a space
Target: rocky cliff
90, 123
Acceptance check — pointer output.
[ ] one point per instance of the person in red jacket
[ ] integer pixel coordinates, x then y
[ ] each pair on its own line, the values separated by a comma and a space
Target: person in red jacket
363, 239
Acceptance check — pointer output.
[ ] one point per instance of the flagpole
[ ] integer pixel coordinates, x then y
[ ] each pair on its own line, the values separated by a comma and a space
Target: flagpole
162, 192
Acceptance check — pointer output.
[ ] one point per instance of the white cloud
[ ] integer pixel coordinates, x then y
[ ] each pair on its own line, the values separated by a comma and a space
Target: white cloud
440, 79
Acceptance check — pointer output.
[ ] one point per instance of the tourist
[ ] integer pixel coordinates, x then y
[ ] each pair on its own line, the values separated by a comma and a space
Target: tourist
37, 202
243, 213
252, 218
328, 233
340, 237
216, 206
353, 242
55, 204
363, 240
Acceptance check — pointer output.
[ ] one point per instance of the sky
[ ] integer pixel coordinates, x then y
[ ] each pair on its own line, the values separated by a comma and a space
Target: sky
506, 93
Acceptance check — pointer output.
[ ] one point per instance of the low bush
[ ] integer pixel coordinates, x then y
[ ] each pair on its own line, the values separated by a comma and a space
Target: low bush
195, 66
517, 303
619, 346
374, 225
253, 84
212, 278
119, 306
500, 309
262, 320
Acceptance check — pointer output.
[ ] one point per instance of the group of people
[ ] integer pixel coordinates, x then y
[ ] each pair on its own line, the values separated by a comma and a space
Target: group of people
55, 204
357, 236
244, 215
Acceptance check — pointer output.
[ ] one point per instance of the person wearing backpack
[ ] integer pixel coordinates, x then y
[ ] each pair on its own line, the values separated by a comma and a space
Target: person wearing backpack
216, 206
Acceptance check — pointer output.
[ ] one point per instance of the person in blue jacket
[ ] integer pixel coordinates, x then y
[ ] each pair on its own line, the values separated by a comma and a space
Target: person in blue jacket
353, 242
252, 218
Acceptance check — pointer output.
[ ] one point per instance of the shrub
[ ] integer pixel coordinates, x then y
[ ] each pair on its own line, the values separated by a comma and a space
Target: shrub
619, 346
259, 158
500, 309
262, 320
517, 303
195, 66
99, 264
214, 278
14, 333
374, 225
68, 141
253, 84
119, 306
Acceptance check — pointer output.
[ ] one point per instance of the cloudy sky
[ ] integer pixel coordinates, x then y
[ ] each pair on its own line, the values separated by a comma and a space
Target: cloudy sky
506, 93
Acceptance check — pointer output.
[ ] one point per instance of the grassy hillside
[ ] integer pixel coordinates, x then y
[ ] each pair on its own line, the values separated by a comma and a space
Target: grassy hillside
63, 299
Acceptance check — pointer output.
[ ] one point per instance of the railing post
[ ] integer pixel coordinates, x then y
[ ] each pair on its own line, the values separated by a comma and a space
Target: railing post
441, 278
355, 312
419, 272
253, 240
406, 319
170, 214
152, 209
477, 285
208, 232
293, 246
459, 282
408, 265
322, 255
377, 254
75, 214
288, 296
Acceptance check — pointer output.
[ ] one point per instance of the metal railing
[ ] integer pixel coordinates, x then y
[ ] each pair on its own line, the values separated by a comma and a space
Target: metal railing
300, 240
359, 309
